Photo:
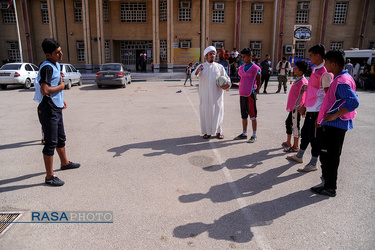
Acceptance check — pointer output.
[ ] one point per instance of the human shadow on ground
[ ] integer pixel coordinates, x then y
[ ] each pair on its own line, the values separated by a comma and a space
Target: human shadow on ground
247, 161
175, 146
249, 185
20, 144
19, 178
236, 226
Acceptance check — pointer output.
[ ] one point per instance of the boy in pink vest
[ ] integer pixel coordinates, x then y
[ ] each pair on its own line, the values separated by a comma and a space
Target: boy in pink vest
336, 117
318, 84
248, 87
296, 99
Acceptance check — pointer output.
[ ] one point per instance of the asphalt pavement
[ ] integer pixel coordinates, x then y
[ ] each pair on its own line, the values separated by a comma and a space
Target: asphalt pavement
144, 161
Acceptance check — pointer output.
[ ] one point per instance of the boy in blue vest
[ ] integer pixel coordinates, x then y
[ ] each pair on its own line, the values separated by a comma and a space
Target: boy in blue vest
49, 94
336, 117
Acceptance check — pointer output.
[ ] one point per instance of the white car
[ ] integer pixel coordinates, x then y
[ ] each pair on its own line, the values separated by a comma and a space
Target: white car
18, 74
70, 75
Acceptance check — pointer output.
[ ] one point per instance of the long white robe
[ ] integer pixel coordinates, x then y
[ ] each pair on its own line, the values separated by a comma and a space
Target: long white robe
211, 98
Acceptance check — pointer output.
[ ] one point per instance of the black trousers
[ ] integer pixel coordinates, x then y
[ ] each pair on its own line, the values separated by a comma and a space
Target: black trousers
265, 79
331, 142
310, 134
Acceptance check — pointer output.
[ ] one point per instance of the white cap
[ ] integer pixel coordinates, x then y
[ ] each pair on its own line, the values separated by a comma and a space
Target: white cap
208, 49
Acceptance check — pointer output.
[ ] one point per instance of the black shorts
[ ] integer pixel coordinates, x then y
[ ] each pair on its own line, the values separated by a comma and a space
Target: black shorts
51, 119
248, 106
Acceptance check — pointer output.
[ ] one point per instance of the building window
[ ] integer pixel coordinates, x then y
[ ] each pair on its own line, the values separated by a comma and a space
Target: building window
163, 11
80, 51
13, 51
9, 15
256, 47
340, 13
105, 11
184, 11
163, 50
336, 45
107, 51
218, 14
256, 13
44, 10
185, 44
300, 49
372, 45
77, 11
218, 44
133, 12
129, 48
302, 15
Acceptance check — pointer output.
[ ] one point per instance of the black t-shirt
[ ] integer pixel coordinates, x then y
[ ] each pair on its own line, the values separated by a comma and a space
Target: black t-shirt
46, 75
265, 67
231, 60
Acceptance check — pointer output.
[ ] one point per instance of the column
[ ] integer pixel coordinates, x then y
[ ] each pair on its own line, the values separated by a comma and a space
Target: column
87, 34
238, 24
205, 21
170, 35
100, 31
155, 37
52, 19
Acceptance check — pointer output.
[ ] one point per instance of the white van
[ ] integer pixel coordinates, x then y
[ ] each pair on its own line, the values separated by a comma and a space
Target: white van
356, 55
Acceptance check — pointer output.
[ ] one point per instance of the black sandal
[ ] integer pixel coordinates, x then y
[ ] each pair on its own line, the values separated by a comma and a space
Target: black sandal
219, 136
206, 136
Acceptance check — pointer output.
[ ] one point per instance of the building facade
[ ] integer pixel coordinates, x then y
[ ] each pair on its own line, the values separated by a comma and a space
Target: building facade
93, 32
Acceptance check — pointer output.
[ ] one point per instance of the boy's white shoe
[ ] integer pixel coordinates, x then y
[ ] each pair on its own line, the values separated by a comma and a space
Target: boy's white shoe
294, 158
252, 139
308, 168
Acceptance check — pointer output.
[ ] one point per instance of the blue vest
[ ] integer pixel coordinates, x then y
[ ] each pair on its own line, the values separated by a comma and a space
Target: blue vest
57, 97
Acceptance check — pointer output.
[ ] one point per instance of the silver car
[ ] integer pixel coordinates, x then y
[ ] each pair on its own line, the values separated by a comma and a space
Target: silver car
70, 75
18, 74
113, 74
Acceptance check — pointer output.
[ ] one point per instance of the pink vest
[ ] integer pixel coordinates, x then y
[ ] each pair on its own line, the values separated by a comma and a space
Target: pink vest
247, 82
330, 98
314, 86
294, 92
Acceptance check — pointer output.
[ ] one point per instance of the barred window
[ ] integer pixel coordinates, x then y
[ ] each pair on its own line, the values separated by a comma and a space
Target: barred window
105, 11
302, 15
107, 51
256, 13
300, 49
184, 11
340, 13
13, 51
77, 11
218, 13
44, 10
133, 12
336, 45
371, 45
256, 47
163, 11
80, 51
9, 15
163, 50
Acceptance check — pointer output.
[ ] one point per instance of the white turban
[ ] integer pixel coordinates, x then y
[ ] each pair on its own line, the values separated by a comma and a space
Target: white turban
208, 49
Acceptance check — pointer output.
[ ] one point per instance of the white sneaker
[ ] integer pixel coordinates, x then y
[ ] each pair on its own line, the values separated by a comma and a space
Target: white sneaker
252, 139
308, 168
294, 158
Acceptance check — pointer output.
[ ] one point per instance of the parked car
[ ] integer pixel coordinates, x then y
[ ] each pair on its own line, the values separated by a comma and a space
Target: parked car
18, 74
113, 74
70, 75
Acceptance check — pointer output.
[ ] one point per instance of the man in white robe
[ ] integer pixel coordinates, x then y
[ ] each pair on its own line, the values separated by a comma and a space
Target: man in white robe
211, 96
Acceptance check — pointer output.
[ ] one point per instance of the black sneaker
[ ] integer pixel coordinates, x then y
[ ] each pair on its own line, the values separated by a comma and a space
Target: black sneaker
321, 190
54, 181
71, 165
240, 137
